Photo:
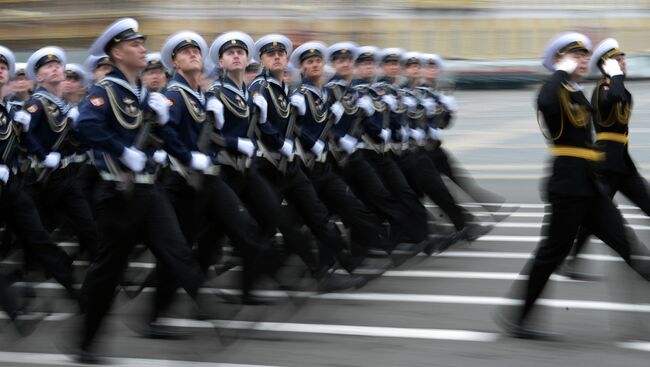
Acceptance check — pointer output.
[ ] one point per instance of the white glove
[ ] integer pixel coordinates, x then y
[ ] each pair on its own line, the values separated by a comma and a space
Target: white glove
448, 101
245, 146
318, 148
435, 133
200, 161
337, 110
385, 134
24, 118
73, 115
390, 101
287, 148
215, 106
261, 103
160, 156
4, 173
410, 102
134, 159
430, 106
612, 68
298, 101
417, 134
365, 103
348, 143
566, 64
404, 132
160, 105
52, 160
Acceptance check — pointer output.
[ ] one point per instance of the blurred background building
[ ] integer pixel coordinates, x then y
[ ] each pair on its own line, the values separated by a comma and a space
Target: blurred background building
462, 29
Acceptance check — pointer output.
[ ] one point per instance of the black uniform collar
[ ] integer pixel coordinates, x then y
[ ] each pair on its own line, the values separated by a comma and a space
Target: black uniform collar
117, 76
229, 84
59, 101
307, 84
338, 80
266, 76
180, 82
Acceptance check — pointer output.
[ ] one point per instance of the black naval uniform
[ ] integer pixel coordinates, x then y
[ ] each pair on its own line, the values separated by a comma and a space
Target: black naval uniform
576, 194
446, 164
21, 216
358, 172
240, 172
293, 184
60, 193
365, 227
213, 202
375, 151
111, 116
613, 105
421, 172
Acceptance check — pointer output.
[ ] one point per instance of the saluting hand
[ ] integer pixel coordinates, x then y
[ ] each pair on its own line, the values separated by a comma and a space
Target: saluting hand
567, 64
612, 68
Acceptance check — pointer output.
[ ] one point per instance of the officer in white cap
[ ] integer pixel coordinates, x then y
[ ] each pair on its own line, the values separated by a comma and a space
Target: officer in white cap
47, 120
409, 223
74, 85
252, 70
112, 122
21, 88
239, 114
278, 166
412, 66
21, 215
386, 86
612, 103
319, 111
440, 110
577, 195
232, 51
357, 171
311, 57
154, 75
342, 56
98, 66
366, 64
419, 162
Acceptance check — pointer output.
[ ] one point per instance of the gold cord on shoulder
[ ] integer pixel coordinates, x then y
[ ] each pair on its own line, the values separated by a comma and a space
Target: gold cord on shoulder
119, 112
318, 118
282, 112
237, 111
577, 114
55, 126
196, 113
548, 136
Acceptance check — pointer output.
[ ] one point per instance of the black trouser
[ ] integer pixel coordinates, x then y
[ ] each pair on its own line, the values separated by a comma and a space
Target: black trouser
7, 298
567, 215
424, 178
398, 186
368, 187
87, 178
214, 205
633, 186
448, 167
122, 220
301, 196
22, 218
366, 229
61, 194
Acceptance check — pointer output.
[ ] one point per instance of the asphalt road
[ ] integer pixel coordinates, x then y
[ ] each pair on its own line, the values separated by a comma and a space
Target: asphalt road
431, 311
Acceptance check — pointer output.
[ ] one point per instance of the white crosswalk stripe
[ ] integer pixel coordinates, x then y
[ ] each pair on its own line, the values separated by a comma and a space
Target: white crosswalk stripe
507, 235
